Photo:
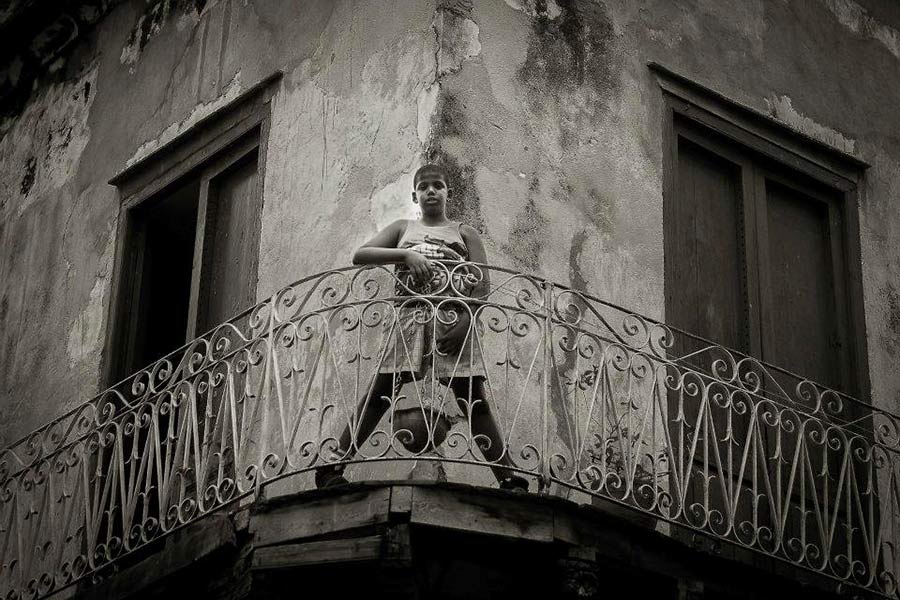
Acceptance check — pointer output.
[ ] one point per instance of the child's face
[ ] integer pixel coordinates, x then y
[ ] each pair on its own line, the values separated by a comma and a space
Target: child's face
431, 194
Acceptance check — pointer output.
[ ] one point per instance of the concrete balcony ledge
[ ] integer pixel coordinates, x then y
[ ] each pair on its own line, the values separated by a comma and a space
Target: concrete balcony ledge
421, 539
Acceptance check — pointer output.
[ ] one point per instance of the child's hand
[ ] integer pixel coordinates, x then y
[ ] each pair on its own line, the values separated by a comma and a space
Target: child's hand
418, 265
448, 253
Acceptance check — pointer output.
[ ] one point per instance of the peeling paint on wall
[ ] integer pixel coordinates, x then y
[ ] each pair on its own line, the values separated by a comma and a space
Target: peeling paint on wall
231, 91
457, 35
427, 107
781, 108
855, 18
42, 57
85, 340
393, 201
43, 148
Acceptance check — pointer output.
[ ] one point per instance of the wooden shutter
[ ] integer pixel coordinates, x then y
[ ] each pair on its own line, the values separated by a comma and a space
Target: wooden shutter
226, 253
802, 300
231, 236
706, 285
191, 256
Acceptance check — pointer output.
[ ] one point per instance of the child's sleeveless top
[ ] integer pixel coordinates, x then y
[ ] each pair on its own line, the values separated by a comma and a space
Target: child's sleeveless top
426, 240
417, 234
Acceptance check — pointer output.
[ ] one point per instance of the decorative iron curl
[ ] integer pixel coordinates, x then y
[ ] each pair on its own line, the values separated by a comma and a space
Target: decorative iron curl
807, 393
636, 330
661, 340
335, 289
529, 458
458, 445
452, 311
364, 284
832, 403
561, 467
887, 582
464, 277
522, 324
526, 292
887, 430
258, 316
224, 339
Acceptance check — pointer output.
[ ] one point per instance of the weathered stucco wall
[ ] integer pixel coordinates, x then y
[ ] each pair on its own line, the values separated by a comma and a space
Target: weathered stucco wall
545, 111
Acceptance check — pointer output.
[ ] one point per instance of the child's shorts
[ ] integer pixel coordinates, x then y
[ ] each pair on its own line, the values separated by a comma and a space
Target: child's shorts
410, 341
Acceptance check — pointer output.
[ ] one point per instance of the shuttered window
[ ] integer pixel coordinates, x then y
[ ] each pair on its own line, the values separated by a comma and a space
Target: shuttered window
189, 235
761, 257
756, 259
191, 253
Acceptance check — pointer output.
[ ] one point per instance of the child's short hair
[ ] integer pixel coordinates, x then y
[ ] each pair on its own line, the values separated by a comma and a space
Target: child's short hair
431, 169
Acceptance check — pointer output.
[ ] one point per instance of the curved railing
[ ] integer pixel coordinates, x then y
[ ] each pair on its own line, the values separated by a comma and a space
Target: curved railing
586, 396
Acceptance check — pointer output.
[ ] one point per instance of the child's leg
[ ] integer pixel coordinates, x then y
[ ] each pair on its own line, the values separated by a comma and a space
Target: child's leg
471, 391
369, 411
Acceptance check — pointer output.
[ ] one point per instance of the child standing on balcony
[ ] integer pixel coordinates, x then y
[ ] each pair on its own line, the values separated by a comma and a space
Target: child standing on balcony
446, 349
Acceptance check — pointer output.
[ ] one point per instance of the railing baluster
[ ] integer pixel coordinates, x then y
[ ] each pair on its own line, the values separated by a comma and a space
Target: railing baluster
545, 478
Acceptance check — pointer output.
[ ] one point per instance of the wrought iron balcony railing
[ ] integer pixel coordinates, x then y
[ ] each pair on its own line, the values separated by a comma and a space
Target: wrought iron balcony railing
586, 395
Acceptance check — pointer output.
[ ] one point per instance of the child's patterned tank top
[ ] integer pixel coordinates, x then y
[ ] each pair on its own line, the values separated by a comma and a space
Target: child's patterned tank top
427, 241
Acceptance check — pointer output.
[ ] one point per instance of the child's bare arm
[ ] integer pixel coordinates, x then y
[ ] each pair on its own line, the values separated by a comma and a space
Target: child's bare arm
382, 249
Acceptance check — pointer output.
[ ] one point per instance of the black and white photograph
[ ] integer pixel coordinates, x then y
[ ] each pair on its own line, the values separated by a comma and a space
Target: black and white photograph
449, 299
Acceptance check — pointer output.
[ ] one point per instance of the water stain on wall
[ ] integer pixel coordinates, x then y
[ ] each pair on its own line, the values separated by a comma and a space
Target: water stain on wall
44, 146
528, 233
450, 123
891, 341
599, 211
151, 22
28, 176
569, 51
576, 248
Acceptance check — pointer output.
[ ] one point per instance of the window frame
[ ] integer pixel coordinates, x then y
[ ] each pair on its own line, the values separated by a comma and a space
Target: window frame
207, 149
756, 133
